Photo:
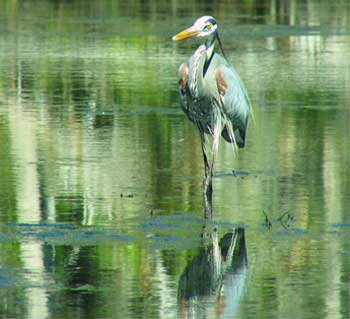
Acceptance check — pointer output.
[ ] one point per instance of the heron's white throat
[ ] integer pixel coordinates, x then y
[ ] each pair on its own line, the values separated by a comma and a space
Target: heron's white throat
209, 46
210, 51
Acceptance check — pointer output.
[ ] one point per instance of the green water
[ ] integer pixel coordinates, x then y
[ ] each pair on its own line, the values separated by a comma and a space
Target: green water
101, 209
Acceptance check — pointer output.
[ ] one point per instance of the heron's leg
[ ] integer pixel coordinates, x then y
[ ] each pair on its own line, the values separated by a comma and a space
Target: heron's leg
207, 183
215, 134
208, 206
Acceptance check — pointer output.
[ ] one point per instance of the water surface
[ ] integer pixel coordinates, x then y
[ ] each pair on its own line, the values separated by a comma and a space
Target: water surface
101, 209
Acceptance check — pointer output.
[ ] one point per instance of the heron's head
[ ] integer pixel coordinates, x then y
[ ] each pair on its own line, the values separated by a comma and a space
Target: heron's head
204, 27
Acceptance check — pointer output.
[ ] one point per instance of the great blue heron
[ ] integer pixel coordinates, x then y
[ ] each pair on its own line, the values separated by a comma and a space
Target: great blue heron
212, 95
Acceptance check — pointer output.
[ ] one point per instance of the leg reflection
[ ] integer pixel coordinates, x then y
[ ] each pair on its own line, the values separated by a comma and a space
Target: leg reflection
208, 206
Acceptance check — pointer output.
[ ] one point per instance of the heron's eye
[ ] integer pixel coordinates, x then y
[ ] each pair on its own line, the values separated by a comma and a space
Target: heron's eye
208, 27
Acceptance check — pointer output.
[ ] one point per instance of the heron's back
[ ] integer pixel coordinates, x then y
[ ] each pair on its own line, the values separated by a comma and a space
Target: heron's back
230, 94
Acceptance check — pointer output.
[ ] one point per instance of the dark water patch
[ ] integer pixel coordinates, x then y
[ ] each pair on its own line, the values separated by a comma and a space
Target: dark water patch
173, 242
341, 226
183, 221
146, 110
29, 226
5, 279
60, 234
297, 233
243, 173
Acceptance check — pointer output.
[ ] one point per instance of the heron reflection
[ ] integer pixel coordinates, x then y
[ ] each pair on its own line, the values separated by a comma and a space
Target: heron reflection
214, 280
217, 275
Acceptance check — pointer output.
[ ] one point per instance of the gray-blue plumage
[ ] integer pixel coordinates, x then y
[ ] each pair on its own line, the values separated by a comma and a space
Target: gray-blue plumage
220, 91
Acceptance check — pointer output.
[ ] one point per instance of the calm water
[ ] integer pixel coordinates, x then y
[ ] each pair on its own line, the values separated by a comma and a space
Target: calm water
101, 212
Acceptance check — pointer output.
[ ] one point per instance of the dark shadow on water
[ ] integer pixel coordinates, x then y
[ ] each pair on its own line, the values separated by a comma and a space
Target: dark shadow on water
214, 280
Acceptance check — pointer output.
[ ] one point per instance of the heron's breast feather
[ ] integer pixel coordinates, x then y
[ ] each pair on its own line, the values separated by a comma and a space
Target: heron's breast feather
183, 75
220, 82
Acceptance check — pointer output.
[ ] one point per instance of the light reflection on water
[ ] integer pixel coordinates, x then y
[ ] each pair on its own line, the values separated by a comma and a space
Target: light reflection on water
101, 174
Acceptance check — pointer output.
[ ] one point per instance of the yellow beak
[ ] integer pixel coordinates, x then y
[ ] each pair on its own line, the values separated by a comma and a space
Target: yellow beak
186, 34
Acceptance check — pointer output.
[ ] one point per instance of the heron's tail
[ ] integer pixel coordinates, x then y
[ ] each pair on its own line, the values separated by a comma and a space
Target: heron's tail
236, 136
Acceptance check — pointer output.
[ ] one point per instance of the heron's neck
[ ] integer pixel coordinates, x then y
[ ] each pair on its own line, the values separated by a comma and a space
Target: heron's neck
196, 66
200, 64
209, 46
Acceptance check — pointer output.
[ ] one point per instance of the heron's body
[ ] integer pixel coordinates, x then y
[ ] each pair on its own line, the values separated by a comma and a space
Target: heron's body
212, 95
218, 94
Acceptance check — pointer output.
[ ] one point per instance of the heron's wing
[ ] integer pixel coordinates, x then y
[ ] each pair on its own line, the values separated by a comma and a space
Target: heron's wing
234, 102
183, 87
